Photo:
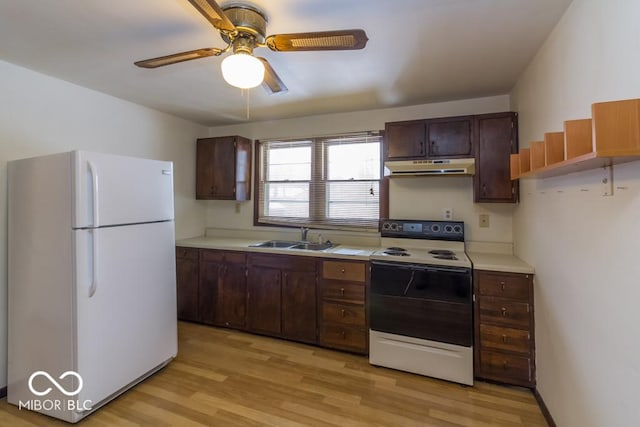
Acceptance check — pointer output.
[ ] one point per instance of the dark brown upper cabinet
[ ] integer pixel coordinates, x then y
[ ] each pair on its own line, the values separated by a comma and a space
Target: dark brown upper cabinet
449, 137
497, 139
405, 140
223, 168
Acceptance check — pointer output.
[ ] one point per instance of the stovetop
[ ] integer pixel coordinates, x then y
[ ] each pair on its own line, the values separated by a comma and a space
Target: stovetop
423, 242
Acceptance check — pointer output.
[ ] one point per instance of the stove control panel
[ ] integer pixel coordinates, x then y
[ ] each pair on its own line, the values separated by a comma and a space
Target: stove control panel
420, 229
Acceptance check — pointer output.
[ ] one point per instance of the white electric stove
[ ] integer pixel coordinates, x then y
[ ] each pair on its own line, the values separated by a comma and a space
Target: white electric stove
421, 300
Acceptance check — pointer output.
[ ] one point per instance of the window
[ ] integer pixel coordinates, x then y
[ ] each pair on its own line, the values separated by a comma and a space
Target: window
331, 181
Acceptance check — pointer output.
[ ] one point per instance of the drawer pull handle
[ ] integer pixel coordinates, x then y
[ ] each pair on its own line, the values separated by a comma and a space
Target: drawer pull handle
504, 312
502, 286
504, 339
342, 312
343, 334
504, 364
342, 271
342, 292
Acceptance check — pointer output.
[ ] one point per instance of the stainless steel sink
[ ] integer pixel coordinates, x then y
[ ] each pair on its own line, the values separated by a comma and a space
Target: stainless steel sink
313, 246
288, 244
276, 244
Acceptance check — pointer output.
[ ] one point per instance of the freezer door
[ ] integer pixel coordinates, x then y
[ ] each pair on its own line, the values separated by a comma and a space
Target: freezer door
126, 305
113, 190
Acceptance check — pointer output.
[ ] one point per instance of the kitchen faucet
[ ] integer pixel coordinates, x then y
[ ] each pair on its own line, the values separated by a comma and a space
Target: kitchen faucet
303, 233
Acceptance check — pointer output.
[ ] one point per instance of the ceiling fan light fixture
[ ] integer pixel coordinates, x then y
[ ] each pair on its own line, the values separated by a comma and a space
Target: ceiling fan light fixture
242, 70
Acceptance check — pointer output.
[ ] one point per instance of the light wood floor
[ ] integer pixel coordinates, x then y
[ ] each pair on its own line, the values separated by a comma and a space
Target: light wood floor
228, 378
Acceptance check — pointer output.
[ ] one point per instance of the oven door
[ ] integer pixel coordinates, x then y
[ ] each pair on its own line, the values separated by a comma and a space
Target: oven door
429, 302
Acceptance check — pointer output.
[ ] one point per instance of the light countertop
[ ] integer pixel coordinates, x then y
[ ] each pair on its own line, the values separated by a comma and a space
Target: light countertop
347, 251
481, 260
499, 262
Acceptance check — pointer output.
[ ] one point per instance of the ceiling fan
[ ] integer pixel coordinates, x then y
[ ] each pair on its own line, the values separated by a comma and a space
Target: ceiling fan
243, 27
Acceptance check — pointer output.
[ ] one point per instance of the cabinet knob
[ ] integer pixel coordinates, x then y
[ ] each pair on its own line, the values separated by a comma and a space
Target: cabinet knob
342, 271
343, 334
504, 338
341, 291
505, 365
504, 312
342, 312
502, 286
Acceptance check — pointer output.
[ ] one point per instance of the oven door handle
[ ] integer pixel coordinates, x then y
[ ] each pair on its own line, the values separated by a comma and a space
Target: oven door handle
406, 289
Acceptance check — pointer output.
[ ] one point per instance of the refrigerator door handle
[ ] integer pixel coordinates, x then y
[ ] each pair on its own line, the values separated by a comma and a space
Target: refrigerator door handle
94, 192
94, 262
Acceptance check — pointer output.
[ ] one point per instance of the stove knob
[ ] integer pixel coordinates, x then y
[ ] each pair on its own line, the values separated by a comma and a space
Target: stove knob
394, 226
435, 228
457, 229
385, 225
448, 229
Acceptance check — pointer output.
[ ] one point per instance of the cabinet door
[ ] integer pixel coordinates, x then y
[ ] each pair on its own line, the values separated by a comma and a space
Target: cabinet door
497, 135
232, 296
450, 137
208, 291
187, 286
263, 299
405, 140
299, 306
216, 168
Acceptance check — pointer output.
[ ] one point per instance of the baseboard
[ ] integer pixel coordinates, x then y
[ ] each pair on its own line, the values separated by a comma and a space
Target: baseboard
3, 392
544, 409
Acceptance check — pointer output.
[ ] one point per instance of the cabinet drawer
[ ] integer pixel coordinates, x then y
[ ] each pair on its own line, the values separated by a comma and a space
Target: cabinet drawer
344, 337
509, 339
339, 270
505, 285
505, 312
343, 291
505, 366
188, 253
343, 314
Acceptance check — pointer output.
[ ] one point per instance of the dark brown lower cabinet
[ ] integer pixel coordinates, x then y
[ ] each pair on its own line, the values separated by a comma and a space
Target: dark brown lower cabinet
281, 296
343, 322
187, 266
231, 309
212, 286
299, 305
211, 263
504, 336
264, 289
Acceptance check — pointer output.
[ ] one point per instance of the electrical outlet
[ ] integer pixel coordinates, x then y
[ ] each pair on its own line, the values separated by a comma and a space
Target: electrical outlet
447, 214
484, 220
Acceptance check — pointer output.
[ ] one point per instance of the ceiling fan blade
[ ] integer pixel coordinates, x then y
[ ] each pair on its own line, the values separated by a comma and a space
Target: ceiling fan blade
321, 40
272, 82
178, 57
214, 14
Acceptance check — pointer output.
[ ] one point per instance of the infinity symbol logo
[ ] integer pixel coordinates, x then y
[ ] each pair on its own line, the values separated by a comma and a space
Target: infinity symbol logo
55, 383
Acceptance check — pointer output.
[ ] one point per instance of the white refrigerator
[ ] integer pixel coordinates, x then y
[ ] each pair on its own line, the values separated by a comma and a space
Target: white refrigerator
91, 279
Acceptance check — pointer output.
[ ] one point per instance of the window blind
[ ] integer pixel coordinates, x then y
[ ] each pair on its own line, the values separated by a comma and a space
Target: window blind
333, 182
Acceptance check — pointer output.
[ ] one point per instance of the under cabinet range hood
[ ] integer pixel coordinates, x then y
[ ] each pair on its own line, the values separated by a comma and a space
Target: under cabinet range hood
430, 167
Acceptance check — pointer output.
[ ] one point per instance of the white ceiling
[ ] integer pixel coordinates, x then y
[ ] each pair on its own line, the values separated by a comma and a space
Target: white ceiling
419, 51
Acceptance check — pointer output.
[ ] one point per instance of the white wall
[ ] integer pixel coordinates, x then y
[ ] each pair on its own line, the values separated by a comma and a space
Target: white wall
410, 198
41, 115
584, 246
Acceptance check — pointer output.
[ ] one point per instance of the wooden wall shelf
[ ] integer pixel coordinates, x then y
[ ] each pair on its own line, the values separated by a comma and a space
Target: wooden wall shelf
611, 136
